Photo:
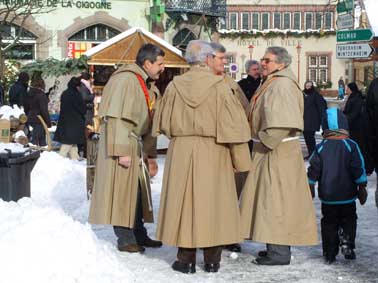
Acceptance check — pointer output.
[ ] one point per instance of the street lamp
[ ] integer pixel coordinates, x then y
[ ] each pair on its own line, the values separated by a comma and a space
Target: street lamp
250, 48
299, 47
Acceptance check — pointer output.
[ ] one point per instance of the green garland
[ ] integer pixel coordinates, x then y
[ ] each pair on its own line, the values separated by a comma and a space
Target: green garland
273, 34
54, 68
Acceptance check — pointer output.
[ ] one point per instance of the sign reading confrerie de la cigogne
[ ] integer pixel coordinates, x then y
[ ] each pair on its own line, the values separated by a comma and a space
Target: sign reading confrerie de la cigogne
58, 4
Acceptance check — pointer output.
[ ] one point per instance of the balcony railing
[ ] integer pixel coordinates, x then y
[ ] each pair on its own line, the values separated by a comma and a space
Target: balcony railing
216, 8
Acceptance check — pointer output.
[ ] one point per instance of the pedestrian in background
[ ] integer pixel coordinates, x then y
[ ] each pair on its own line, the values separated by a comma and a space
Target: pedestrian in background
71, 123
250, 84
314, 107
372, 114
18, 90
36, 103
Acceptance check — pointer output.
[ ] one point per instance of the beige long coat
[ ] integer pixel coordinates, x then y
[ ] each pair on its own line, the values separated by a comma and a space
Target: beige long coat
276, 205
125, 117
208, 130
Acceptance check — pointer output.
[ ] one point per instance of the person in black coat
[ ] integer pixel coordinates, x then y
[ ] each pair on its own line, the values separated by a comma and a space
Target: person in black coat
71, 123
372, 116
36, 103
314, 107
2, 95
86, 92
355, 111
252, 81
18, 90
88, 96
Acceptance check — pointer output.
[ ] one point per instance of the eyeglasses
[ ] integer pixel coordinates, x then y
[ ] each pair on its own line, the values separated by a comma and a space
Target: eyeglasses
266, 60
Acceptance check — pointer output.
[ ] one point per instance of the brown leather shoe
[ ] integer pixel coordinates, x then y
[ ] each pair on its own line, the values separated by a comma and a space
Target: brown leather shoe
149, 243
131, 248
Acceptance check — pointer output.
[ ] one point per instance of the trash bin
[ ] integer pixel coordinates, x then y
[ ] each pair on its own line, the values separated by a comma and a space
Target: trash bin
15, 169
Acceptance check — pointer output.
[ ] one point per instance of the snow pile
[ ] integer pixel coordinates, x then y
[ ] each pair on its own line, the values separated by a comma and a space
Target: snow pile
41, 242
13, 147
6, 112
45, 245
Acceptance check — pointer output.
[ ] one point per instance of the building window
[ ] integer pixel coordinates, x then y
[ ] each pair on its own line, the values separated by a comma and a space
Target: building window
245, 20
255, 21
277, 20
297, 20
222, 22
265, 21
328, 20
233, 24
318, 20
308, 21
95, 33
318, 68
286, 21
24, 49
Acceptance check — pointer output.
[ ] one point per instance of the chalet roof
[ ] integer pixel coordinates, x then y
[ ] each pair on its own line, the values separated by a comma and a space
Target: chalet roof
123, 48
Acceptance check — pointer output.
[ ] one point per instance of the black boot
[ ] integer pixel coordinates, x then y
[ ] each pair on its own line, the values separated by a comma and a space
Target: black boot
262, 253
149, 243
184, 267
212, 267
268, 261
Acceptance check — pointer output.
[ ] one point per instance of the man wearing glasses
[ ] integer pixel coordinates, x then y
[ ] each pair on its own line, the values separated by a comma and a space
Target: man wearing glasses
276, 205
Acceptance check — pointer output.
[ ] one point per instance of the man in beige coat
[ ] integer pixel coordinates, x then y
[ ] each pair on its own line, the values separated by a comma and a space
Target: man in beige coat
122, 195
276, 206
209, 132
217, 66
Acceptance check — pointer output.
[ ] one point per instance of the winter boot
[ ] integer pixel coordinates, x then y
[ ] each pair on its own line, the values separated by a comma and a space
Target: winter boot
184, 267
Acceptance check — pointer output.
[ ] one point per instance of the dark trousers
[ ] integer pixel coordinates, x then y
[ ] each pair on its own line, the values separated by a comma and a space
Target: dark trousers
309, 137
138, 234
210, 254
38, 135
338, 220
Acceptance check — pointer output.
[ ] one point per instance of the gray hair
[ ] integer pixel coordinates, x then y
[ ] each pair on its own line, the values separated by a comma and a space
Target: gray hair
282, 56
250, 63
217, 47
197, 51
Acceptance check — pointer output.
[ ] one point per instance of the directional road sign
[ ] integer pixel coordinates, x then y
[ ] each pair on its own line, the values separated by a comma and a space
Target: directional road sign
354, 35
352, 51
344, 6
345, 21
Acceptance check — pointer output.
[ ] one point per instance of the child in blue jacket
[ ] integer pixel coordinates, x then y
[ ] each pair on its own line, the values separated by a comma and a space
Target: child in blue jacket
338, 167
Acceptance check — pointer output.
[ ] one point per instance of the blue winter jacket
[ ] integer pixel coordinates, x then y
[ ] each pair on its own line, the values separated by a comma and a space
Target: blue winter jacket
338, 166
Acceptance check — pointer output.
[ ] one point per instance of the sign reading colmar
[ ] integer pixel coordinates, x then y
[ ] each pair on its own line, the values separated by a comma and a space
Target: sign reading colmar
354, 35
58, 3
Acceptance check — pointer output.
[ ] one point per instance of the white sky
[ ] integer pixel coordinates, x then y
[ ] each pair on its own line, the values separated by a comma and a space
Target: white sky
371, 9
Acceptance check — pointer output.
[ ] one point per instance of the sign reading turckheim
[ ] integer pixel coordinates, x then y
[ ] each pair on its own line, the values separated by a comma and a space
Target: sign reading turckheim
351, 51
58, 3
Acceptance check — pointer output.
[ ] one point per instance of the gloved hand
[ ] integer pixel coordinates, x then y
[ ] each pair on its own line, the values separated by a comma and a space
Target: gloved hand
312, 190
362, 194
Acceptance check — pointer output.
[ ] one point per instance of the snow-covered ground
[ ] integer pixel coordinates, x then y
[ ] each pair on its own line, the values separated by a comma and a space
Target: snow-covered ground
46, 239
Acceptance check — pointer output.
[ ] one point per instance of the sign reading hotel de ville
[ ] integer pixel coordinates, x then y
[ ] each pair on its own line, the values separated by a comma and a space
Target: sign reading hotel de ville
81, 4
